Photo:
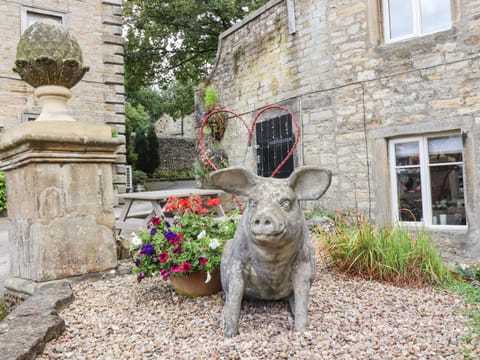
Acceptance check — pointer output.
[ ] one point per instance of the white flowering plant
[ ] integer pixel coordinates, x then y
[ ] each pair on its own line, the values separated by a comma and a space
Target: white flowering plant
193, 241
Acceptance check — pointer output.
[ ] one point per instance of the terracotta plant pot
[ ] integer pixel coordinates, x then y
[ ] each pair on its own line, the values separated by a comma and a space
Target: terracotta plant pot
194, 285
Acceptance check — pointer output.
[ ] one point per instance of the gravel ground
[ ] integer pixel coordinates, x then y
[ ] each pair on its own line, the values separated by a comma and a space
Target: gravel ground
348, 319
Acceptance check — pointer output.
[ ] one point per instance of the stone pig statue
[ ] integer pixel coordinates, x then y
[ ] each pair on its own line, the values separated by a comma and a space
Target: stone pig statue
270, 256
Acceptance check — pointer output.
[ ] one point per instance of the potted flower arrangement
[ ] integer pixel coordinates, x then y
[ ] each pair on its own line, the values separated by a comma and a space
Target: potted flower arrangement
186, 250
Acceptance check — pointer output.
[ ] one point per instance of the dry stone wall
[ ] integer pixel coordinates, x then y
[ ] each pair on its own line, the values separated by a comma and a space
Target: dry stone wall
177, 153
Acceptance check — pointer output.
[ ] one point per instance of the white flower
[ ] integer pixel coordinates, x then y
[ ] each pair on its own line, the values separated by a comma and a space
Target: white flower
202, 234
135, 240
214, 243
209, 277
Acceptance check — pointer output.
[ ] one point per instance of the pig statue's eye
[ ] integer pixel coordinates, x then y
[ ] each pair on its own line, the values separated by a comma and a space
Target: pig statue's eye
286, 204
252, 203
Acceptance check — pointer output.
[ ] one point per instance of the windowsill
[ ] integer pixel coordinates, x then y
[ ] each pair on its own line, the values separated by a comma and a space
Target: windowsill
424, 42
456, 229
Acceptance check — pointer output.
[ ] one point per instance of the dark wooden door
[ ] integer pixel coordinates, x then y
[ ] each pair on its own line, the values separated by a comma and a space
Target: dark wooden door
274, 141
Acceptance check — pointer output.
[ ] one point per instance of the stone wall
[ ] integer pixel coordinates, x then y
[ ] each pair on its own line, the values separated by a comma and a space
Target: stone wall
166, 126
177, 153
352, 92
99, 97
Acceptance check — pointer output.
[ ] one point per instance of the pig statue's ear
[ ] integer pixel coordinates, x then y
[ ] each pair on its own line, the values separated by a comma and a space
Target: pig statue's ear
309, 182
235, 180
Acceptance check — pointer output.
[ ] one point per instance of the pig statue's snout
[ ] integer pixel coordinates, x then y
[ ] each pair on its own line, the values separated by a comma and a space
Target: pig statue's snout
266, 224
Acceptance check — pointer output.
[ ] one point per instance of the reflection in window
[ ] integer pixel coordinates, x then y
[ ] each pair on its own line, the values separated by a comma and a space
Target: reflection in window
428, 180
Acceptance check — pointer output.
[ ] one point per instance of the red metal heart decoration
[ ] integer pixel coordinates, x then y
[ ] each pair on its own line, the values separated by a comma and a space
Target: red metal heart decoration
250, 133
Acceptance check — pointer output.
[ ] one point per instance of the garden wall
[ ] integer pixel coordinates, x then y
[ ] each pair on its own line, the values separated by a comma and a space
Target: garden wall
177, 153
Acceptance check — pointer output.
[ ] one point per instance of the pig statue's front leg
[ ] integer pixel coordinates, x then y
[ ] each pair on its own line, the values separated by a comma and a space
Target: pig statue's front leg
302, 277
233, 300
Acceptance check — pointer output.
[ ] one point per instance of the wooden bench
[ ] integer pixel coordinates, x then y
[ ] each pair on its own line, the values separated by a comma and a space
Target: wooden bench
131, 221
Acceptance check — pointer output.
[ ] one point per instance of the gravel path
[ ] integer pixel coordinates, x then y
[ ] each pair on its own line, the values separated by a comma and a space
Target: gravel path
349, 319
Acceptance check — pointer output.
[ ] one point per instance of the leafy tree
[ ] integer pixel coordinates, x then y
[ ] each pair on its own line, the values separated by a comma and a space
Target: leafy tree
151, 100
175, 41
136, 121
177, 100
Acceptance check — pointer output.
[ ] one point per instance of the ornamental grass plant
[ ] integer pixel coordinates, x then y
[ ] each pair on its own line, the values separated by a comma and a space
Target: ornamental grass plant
391, 254
191, 242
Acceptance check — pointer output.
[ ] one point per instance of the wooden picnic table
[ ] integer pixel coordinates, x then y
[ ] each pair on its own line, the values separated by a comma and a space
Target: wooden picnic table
129, 221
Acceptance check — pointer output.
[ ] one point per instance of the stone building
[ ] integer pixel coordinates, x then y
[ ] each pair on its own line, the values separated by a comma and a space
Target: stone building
99, 97
386, 94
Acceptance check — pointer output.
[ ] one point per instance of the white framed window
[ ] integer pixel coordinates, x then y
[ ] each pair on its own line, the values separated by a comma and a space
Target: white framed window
30, 15
427, 175
404, 19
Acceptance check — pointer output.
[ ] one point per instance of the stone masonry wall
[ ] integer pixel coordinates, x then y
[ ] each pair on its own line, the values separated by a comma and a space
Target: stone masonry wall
177, 153
99, 97
352, 92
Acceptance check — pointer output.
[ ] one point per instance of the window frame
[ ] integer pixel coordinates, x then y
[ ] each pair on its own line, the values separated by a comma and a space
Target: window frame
25, 10
417, 22
425, 182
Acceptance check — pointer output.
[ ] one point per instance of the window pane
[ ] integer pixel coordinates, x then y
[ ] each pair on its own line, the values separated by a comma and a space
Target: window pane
33, 17
435, 15
406, 154
409, 194
448, 202
445, 149
400, 16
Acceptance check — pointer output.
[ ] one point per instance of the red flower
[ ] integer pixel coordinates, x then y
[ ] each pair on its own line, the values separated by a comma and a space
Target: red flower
176, 269
213, 202
186, 267
200, 210
163, 256
178, 250
202, 261
156, 221
184, 203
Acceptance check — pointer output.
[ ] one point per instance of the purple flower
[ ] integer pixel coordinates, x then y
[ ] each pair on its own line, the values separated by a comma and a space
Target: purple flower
173, 238
170, 235
148, 249
137, 262
167, 223
140, 276
153, 231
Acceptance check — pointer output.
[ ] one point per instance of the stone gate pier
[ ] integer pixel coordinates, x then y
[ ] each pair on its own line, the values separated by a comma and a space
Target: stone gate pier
58, 172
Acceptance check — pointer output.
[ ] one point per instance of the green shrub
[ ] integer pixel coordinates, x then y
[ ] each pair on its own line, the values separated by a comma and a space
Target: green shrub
469, 272
139, 177
211, 97
3, 192
186, 173
390, 254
